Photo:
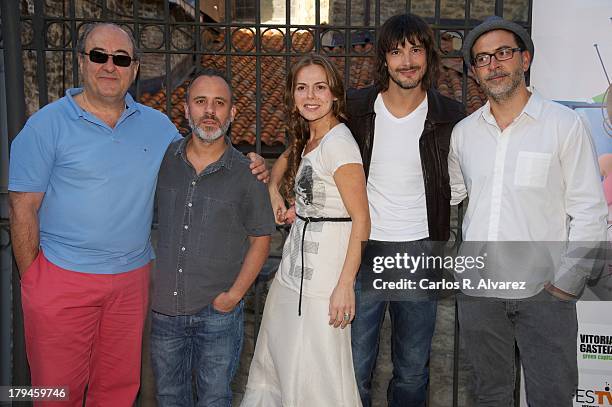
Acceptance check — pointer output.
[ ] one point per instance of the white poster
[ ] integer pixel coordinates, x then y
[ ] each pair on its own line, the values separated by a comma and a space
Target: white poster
567, 36
594, 351
566, 65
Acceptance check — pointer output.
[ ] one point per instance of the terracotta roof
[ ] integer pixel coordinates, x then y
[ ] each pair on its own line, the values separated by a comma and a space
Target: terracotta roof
450, 84
243, 74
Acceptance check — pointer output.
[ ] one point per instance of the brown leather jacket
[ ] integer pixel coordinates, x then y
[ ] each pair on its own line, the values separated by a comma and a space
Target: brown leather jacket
442, 115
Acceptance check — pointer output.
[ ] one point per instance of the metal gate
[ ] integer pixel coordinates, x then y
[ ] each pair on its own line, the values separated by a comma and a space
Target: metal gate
253, 41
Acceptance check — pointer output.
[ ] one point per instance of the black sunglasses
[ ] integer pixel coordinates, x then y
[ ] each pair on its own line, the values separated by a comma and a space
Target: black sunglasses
99, 57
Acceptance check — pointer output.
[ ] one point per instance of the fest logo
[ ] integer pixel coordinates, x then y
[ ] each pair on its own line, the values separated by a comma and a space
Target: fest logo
594, 397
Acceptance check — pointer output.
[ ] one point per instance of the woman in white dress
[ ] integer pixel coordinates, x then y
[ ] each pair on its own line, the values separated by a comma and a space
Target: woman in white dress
303, 352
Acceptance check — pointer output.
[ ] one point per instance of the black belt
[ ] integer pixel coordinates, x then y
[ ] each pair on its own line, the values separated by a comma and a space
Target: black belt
308, 220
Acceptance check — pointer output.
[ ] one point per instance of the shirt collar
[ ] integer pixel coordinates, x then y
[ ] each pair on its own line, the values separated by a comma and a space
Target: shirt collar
534, 105
75, 111
225, 161
533, 108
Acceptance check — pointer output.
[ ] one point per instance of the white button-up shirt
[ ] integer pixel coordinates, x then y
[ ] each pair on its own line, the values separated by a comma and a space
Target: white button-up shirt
536, 180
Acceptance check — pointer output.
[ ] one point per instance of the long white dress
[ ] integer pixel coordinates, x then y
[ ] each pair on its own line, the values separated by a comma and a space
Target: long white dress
302, 361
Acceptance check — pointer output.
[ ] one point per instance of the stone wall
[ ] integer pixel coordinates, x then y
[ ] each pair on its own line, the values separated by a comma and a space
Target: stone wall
449, 9
59, 63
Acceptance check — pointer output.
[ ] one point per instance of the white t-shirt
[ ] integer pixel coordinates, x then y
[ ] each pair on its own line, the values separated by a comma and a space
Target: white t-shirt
396, 190
317, 196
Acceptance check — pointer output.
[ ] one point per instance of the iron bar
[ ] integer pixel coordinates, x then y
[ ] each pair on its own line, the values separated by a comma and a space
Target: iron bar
38, 24
168, 56
258, 93
16, 117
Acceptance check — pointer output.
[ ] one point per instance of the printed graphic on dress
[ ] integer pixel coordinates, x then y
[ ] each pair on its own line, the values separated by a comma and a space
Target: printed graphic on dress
310, 192
310, 249
304, 185
310, 195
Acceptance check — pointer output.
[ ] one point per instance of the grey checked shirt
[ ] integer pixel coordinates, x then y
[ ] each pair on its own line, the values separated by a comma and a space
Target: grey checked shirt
204, 223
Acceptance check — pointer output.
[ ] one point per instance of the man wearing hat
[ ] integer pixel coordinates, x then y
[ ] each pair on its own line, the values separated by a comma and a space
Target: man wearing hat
529, 168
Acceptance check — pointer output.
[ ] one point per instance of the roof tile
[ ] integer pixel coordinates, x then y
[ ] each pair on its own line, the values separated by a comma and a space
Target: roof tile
243, 74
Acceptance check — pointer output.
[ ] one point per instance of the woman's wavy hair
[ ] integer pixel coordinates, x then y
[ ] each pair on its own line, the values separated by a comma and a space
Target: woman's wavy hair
297, 126
397, 30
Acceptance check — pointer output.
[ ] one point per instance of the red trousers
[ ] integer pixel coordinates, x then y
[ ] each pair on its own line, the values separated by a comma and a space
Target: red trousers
85, 330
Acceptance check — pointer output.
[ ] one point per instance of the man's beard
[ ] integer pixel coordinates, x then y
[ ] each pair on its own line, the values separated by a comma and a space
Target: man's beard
503, 91
209, 137
409, 83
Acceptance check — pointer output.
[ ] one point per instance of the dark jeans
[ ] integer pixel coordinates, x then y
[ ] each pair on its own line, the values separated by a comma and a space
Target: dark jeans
544, 329
205, 346
412, 327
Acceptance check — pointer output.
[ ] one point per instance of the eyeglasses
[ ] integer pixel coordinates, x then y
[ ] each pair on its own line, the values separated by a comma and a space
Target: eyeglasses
99, 57
484, 59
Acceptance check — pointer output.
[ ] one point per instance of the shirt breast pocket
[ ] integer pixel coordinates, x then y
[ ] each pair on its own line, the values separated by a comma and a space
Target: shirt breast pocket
532, 169
218, 231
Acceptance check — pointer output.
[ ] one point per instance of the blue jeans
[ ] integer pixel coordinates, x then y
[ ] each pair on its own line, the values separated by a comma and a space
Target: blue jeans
412, 327
201, 349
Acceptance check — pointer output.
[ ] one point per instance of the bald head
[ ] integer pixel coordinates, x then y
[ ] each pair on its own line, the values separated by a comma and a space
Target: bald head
89, 28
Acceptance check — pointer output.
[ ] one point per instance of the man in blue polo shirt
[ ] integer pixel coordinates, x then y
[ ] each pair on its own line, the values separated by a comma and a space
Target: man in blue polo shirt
82, 181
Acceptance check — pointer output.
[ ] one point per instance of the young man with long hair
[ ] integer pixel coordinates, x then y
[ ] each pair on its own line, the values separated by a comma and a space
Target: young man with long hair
403, 126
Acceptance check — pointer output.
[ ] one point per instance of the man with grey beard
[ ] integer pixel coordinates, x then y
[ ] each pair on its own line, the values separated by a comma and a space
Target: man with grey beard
215, 222
529, 168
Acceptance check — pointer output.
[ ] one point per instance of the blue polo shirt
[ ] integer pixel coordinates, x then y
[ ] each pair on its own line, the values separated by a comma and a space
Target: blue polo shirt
99, 182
